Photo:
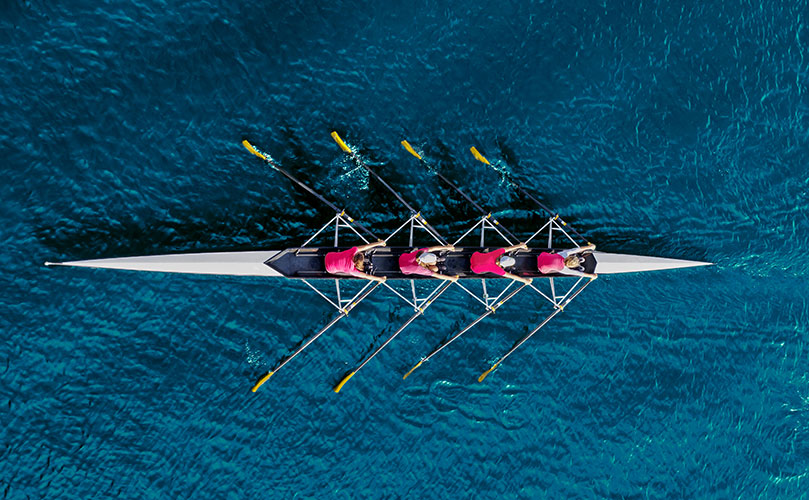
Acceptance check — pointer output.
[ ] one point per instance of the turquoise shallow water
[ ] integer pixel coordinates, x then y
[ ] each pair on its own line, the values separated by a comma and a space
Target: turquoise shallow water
675, 130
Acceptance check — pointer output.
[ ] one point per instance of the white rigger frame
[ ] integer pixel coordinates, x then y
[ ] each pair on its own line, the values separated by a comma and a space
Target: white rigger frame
557, 296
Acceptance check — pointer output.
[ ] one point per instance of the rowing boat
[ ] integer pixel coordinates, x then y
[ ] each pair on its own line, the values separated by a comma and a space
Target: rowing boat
307, 262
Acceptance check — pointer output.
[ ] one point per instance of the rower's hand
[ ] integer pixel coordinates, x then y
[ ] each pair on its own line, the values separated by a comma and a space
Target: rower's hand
380, 279
451, 248
523, 246
527, 281
454, 278
593, 277
382, 243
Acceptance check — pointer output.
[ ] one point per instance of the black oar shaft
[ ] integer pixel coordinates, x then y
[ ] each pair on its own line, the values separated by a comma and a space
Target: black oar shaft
309, 190
399, 197
382, 181
525, 193
480, 208
451, 184
529, 335
413, 211
531, 197
464, 330
541, 205
308, 342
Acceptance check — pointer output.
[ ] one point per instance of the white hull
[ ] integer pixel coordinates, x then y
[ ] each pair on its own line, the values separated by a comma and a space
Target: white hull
617, 263
221, 263
252, 263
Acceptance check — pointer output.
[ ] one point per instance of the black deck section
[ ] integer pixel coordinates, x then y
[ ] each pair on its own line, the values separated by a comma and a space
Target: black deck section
309, 263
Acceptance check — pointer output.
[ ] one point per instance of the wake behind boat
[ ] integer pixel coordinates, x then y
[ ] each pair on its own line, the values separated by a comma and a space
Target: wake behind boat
308, 263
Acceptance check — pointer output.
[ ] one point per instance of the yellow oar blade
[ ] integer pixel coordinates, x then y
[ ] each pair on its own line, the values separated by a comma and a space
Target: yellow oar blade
483, 375
478, 156
254, 151
343, 382
340, 143
263, 379
412, 370
410, 149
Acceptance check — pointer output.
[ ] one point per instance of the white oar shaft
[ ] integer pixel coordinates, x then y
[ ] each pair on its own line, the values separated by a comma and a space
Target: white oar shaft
480, 318
309, 342
323, 330
407, 323
532, 332
441, 289
528, 336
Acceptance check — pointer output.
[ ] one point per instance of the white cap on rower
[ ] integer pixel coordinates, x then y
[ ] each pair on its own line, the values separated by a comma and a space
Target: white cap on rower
506, 261
427, 258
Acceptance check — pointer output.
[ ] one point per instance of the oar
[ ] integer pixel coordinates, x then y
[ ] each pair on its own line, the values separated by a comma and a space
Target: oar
309, 190
525, 193
480, 318
451, 184
361, 163
420, 311
333, 322
520, 342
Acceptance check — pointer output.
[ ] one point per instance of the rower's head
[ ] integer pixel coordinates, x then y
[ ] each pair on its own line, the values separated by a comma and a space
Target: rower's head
506, 261
427, 259
359, 261
574, 261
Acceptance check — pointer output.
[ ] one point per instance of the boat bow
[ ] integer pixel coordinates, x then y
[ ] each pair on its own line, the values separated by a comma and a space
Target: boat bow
618, 263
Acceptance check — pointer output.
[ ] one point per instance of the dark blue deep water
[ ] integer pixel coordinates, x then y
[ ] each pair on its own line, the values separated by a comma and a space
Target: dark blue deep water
670, 129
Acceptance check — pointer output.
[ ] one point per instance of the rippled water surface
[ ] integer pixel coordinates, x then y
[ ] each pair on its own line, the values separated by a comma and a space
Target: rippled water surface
676, 130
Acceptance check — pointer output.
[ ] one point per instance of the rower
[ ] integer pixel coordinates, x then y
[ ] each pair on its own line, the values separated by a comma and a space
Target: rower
352, 262
496, 261
423, 262
569, 262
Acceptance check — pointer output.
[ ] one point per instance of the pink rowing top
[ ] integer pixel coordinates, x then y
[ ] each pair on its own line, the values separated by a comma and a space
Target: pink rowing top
487, 262
409, 265
549, 263
341, 262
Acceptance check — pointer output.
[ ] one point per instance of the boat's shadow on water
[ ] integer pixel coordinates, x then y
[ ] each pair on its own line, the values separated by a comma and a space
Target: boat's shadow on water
287, 220
95, 239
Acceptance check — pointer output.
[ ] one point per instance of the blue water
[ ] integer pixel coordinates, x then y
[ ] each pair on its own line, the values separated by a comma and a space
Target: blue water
676, 130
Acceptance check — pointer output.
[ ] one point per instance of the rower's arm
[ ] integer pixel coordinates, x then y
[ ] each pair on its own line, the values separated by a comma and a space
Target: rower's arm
360, 274
572, 272
445, 277
526, 281
521, 246
439, 248
380, 243
574, 251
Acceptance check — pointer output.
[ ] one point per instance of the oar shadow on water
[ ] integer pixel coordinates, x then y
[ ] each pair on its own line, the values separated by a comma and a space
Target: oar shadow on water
487, 185
274, 213
248, 228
